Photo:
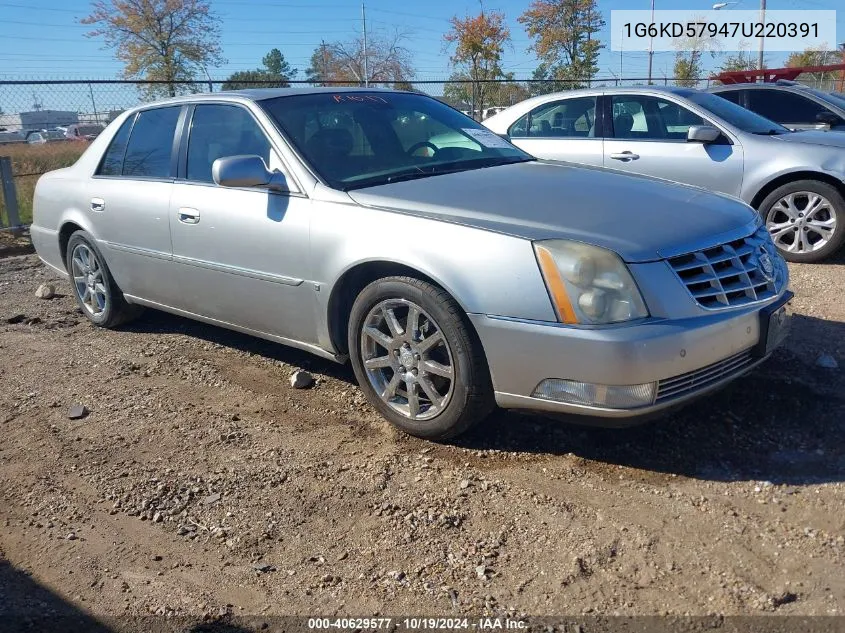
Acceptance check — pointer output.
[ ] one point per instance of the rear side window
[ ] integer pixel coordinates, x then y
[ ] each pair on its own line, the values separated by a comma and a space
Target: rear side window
783, 107
151, 144
218, 131
572, 118
112, 163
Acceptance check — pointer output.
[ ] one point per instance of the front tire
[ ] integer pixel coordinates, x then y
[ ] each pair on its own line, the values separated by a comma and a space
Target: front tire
805, 220
417, 359
93, 286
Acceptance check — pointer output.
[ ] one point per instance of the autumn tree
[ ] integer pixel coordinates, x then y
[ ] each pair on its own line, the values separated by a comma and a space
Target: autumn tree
163, 40
386, 60
565, 38
818, 56
689, 57
276, 73
739, 61
479, 45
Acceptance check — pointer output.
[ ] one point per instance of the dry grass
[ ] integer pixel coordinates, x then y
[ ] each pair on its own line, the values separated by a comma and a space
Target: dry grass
36, 159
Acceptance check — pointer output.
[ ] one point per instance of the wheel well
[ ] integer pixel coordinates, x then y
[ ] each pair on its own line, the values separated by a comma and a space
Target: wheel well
350, 285
68, 229
792, 177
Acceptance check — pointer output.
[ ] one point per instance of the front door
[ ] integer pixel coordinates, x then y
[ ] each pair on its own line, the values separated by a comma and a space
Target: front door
241, 255
649, 136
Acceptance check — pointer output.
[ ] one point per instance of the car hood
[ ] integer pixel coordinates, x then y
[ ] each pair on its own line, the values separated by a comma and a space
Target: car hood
641, 219
831, 138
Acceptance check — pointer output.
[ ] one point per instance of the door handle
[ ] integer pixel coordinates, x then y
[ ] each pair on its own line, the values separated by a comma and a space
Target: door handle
188, 215
98, 204
626, 155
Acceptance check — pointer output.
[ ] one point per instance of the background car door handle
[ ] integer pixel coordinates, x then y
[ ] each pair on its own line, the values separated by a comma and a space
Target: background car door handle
98, 204
189, 216
625, 156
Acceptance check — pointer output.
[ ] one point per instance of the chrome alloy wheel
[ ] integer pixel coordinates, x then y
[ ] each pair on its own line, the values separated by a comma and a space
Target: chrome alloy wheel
407, 359
801, 222
88, 280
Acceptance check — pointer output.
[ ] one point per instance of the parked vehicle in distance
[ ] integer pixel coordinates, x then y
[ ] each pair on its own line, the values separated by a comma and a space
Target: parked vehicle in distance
454, 280
7, 138
35, 138
789, 103
796, 180
81, 131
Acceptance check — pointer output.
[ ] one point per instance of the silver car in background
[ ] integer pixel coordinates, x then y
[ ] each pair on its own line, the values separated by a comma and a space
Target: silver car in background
453, 277
796, 180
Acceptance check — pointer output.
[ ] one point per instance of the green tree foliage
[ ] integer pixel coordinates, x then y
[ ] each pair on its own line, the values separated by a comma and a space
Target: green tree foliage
277, 73
565, 39
816, 57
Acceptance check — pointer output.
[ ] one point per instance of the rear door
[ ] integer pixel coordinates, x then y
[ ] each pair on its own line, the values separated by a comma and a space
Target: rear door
648, 135
565, 129
128, 199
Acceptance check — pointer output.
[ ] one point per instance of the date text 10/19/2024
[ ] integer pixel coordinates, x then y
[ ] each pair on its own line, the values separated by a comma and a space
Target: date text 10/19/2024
417, 624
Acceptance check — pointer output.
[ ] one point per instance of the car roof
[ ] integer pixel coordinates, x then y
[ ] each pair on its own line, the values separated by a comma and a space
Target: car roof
261, 94
758, 86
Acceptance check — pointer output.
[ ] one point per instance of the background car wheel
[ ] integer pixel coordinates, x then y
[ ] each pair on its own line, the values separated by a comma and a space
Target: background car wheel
417, 359
805, 219
93, 286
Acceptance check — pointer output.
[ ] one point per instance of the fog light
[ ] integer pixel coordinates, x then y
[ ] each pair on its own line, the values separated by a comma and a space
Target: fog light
607, 396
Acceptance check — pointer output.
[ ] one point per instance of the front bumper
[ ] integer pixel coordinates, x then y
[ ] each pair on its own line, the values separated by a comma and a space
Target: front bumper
686, 358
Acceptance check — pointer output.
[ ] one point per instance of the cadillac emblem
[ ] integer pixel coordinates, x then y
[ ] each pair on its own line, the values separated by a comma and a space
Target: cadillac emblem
767, 266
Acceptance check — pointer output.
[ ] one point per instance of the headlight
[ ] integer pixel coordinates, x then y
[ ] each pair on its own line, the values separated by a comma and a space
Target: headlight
588, 284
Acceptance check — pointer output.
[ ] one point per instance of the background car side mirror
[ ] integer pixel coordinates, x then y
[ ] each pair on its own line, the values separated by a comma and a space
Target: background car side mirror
828, 118
247, 171
703, 134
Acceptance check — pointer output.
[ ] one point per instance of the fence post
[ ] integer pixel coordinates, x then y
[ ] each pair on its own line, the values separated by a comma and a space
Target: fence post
10, 194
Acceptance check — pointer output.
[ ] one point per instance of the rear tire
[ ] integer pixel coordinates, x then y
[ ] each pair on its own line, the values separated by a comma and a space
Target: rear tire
417, 359
93, 286
805, 219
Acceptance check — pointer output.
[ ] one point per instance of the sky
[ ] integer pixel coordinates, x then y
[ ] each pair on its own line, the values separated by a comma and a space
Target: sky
43, 39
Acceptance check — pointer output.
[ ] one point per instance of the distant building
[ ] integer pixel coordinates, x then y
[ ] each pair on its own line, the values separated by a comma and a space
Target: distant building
40, 119
10, 122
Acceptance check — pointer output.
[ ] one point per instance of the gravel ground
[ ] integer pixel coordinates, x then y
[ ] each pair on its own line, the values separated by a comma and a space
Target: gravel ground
199, 483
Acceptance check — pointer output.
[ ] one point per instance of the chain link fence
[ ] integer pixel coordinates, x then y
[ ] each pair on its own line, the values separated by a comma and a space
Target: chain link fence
44, 124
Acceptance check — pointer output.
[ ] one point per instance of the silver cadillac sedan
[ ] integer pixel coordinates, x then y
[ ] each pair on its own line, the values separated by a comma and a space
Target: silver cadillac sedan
454, 275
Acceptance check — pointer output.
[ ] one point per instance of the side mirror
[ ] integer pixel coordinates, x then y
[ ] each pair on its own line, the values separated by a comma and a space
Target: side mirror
247, 171
703, 134
828, 118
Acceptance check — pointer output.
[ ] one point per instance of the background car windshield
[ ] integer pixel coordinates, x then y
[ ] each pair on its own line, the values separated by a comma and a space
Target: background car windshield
829, 97
360, 139
737, 116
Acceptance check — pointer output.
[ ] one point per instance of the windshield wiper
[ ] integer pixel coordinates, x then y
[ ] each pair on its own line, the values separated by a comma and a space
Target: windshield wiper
772, 132
437, 170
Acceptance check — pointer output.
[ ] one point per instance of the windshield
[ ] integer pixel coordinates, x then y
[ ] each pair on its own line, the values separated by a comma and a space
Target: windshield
361, 139
737, 116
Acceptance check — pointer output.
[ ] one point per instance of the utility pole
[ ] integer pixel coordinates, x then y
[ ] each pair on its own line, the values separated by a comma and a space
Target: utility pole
762, 21
93, 104
366, 58
651, 46
621, 45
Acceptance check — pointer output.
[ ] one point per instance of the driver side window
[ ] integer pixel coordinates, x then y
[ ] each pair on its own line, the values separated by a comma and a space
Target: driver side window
651, 118
218, 131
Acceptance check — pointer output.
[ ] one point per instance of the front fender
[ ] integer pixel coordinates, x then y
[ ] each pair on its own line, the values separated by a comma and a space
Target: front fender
485, 272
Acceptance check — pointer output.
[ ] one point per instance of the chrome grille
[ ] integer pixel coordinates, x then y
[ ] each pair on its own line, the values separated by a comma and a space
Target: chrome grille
732, 274
701, 378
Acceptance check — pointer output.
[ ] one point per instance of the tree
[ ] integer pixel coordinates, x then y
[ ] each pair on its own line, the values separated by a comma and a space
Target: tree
276, 73
386, 61
689, 66
742, 60
564, 34
818, 56
163, 40
479, 44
